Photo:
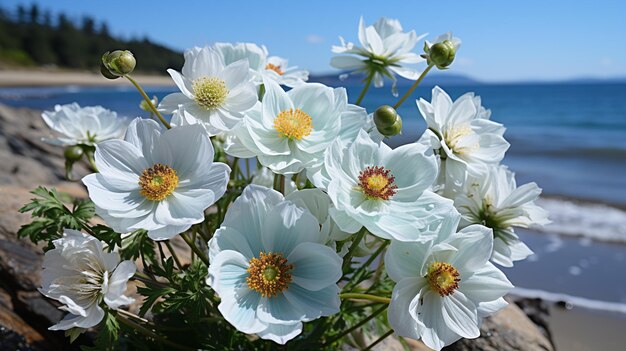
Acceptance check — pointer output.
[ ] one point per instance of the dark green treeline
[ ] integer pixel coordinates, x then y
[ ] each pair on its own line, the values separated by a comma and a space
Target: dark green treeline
32, 37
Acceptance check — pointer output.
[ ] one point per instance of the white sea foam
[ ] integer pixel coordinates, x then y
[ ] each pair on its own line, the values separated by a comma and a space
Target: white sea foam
588, 220
573, 301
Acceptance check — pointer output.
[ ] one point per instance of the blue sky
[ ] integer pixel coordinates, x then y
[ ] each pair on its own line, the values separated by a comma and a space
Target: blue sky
502, 40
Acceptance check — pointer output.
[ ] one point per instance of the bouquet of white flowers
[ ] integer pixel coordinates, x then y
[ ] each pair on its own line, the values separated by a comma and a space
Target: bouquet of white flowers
304, 227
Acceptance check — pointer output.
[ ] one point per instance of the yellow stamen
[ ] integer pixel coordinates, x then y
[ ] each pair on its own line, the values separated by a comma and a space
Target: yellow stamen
443, 278
209, 92
293, 124
377, 183
275, 68
453, 136
158, 182
269, 274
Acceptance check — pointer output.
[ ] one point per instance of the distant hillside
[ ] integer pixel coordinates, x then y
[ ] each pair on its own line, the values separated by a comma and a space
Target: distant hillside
30, 37
444, 78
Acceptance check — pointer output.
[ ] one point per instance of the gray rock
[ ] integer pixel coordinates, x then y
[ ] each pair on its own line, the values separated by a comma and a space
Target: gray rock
509, 329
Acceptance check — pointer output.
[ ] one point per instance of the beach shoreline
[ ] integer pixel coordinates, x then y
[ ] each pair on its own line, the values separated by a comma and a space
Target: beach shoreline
50, 78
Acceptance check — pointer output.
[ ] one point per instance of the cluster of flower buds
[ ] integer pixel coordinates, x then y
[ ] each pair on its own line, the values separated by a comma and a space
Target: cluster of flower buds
388, 121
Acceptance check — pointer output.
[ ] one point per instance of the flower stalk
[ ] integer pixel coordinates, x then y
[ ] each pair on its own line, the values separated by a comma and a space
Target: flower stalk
412, 88
149, 102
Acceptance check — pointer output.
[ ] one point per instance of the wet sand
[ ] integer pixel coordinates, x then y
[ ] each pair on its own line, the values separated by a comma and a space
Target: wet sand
583, 330
33, 78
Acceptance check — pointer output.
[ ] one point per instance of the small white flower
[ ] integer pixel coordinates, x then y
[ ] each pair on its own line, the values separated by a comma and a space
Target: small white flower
155, 179
265, 177
81, 275
385, 51
270, 268
212, 92
83, 125
319, 204
262, 66
384, 190
444, 288
277, 69
494, 200
291, 130
463, 136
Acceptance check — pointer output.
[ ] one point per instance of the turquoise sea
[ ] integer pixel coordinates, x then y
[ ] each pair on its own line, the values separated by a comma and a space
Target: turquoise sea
568, 138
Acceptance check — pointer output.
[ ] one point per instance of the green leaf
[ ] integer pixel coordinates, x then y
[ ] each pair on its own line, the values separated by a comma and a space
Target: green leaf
108, 334
136, 244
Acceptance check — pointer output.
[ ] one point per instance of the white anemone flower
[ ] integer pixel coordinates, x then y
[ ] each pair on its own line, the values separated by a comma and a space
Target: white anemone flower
278, 69
157, 180
384, 190
461, 133
385, 51
495, 201
319, 204
290, 131
262, 66
272, 270
83, 125
81, 275
444, 288
212, 92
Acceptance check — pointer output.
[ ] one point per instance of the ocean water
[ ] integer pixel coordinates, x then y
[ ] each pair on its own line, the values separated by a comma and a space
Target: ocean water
569, 139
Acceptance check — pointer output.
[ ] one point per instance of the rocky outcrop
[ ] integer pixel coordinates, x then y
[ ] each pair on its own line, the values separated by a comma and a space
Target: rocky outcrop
26, 160
509, 329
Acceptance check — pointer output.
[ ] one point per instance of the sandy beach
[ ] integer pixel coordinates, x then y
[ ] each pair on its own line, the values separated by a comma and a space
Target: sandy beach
34, 78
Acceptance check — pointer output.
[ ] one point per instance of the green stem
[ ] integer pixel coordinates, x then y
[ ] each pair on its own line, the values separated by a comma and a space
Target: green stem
412, 88
357, 274
235, 168
195, 249
359, 296
379, 340
279, 183
348, 257
149, 102
248, 175
92, 161
173, 253
368, 82
149, 333
356, 326
147, 280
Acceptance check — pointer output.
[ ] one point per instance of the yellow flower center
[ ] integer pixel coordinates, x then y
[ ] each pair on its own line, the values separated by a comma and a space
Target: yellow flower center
293, 124
275, 68
453, 136
158, 182
443, 278
209, 92
377, 183
269, 274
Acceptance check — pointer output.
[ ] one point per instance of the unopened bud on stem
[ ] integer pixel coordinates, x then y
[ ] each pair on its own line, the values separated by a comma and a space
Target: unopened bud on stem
440, 54
118, 63
387, 121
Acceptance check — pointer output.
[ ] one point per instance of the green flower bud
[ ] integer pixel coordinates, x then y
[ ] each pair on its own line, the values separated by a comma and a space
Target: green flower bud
106, 73
119, 62
393, 129
387, 121
73, 153
442, 54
